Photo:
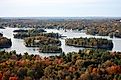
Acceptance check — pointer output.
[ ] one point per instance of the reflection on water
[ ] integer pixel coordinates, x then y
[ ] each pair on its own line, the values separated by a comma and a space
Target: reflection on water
18, 44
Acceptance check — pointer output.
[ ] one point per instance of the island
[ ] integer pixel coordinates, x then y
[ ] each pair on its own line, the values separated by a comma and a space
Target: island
2, 27
38, 41
50, 49
90, 43
22, 35
46, 44
20, 30
5, 42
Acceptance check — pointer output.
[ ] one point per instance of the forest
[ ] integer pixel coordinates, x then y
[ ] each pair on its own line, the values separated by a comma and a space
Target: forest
87, 64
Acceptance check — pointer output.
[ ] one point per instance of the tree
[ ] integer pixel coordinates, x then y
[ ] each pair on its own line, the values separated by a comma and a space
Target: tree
21, 73
1, 75
13, 78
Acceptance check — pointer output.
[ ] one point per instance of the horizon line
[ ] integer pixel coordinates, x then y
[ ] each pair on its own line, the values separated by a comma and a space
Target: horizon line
60, 16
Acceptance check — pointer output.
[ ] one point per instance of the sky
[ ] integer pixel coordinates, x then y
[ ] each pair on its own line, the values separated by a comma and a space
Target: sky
60, 8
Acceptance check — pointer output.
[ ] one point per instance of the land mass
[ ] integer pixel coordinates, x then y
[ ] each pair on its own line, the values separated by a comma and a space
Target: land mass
90, 43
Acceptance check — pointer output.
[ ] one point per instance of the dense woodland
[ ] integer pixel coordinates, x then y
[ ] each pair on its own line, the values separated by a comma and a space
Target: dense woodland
87, 64
90, 43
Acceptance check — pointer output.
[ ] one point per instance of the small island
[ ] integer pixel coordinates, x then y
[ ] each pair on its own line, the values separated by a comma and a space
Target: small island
5, 42
50, 49
2, 27
90, 43
21, 34
46, 44
38, 41
20, 30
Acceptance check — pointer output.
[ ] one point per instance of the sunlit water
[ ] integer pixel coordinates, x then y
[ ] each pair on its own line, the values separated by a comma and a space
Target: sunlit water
18, 44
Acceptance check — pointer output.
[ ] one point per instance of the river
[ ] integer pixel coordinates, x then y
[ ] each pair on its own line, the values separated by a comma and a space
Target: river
18, 44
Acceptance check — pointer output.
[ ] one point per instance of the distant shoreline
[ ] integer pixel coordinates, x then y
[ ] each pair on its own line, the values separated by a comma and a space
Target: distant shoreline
68, 17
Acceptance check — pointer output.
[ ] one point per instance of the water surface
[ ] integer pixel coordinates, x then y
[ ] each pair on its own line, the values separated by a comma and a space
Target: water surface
18, 44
